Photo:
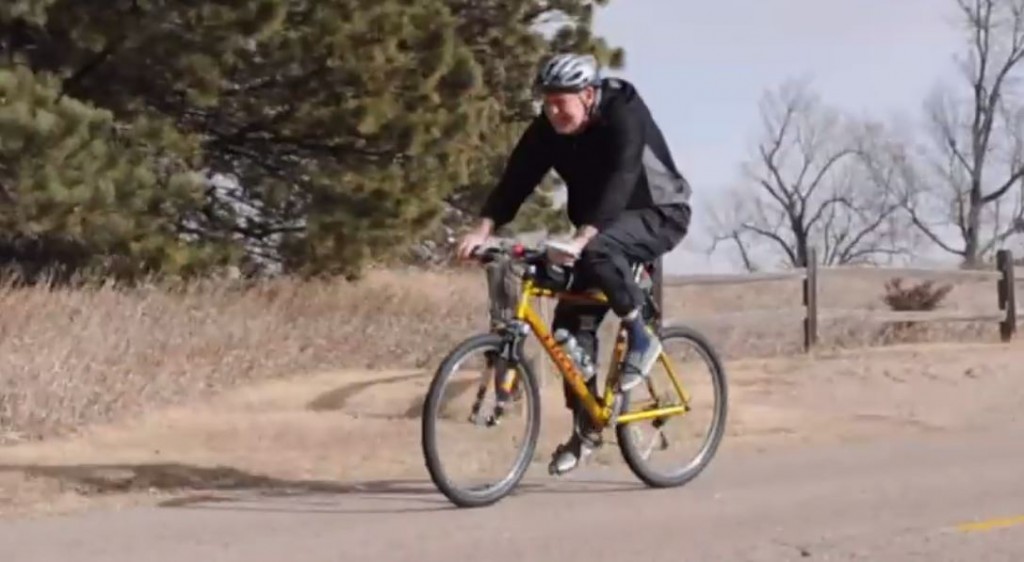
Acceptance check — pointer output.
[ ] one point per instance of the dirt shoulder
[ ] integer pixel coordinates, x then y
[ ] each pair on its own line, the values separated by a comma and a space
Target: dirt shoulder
345, 430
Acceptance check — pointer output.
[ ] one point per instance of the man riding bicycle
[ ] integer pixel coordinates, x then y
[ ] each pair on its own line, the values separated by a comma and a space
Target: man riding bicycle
626, 198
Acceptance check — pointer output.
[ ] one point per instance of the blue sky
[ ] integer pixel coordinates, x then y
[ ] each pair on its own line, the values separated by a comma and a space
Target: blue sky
703, 66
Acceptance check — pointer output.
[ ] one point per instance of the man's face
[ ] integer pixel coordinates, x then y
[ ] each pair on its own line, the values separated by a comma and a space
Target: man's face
567, 112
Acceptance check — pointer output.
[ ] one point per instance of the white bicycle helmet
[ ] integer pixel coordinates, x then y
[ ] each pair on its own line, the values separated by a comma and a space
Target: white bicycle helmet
567, 72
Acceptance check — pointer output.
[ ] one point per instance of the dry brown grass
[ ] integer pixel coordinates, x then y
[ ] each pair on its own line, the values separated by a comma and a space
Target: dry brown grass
78, 356
75, 357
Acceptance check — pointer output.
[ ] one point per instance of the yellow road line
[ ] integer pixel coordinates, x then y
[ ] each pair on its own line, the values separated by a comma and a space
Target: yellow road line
989, 524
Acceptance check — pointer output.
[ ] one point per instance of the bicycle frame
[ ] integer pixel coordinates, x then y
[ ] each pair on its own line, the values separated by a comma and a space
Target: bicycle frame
601, 411
507, 360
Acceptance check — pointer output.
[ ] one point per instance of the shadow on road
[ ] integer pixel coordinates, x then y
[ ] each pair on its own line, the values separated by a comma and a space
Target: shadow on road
193, 485
336, 399
221, 487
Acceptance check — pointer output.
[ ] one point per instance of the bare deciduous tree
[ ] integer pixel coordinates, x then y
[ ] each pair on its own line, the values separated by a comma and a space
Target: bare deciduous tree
970, 179
726, 220
810, 186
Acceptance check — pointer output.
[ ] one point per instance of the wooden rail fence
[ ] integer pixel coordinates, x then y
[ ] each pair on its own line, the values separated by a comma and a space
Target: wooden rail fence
1002, 276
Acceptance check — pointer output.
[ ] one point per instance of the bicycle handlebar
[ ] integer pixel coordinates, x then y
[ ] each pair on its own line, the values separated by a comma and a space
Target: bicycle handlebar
507, 249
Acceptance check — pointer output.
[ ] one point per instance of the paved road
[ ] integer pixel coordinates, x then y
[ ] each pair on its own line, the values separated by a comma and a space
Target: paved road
898, 500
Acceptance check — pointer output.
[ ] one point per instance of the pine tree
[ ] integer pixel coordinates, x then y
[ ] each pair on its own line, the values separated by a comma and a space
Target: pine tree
82, 192
326, 133
343, 121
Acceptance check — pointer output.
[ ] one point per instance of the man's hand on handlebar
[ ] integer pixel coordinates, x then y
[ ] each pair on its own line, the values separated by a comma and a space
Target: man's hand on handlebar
470, 242
474, 238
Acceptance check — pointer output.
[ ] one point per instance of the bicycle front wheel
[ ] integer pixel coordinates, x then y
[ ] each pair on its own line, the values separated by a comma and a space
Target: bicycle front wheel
688, 374
464, 418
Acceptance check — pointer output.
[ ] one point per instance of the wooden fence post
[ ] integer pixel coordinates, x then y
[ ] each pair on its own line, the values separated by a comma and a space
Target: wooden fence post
1006, 294
811, 300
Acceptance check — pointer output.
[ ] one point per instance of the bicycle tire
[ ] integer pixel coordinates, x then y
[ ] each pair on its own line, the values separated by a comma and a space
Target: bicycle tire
428, 441
625, 438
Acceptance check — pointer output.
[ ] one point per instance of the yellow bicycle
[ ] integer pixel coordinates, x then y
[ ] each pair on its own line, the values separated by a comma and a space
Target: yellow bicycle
512, 380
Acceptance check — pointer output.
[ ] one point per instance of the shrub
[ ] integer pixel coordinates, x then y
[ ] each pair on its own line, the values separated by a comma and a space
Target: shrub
923, 296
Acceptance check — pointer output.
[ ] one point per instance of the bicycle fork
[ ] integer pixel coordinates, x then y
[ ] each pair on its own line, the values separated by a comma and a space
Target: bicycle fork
499, 371
504, 379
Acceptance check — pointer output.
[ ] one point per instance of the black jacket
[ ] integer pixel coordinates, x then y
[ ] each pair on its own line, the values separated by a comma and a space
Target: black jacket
620, 161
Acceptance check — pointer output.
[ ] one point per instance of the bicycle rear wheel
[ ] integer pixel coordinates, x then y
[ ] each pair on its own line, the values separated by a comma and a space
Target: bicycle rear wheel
661, 394
441, 415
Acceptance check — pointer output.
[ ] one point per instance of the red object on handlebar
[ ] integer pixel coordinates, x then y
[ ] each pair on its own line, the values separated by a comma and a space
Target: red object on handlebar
518, 250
